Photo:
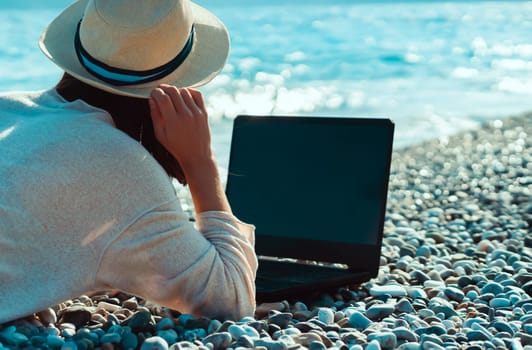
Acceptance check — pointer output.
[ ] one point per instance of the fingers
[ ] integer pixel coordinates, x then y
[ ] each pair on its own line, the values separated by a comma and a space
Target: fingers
155, 101
163, 103
198, 98
180, 123
188, 102
176, 95
155, 112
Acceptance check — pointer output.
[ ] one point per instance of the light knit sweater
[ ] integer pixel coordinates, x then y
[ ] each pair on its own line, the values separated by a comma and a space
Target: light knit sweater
84, 207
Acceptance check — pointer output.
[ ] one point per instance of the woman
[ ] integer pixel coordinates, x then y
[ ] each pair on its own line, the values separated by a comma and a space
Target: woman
86, 202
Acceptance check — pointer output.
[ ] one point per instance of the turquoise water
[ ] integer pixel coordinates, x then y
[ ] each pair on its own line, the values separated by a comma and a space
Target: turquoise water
433, 67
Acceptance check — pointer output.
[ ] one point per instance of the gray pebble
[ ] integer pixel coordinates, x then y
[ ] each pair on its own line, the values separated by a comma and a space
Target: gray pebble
475, 335
317, 345
214, 326
184, 345
419, 276
424, 313
111, 338
141, 321
393, 290
129, 341
430, 345
403, 333
78, 315
424, 251
379, 311
492, 287
404, 305
499, 302
326, 315
244, 341
218, 340
154, 343
38, 341
281, 319
410, 346
47, 316
358, 321
446, 310
54, 341
434, 329
165, 323
454, 293
373, 345
69, 345
270, 344
387, 340
468, 323
169, 335
417, 293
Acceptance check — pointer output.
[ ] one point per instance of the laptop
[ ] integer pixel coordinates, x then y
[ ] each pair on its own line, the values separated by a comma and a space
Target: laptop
315, 188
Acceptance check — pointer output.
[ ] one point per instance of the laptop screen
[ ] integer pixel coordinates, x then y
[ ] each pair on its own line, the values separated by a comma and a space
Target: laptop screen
311, 178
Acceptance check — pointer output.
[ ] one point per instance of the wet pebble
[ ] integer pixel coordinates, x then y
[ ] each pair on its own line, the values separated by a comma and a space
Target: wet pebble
404, 305
47, 316
218, 340
141, 321
403, 333
387, 340
357, 320
270, 344
389, 289
154, 343
78, 315
280, 319
237, 331
326, 315
454, 293
379, 311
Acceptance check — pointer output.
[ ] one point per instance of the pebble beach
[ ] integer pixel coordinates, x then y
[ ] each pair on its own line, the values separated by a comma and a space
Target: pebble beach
455, 271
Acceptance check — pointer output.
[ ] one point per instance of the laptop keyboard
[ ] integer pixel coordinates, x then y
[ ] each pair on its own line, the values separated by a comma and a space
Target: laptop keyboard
302, 273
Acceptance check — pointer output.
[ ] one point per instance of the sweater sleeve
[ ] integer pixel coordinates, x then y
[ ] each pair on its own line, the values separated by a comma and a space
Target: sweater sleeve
208, 270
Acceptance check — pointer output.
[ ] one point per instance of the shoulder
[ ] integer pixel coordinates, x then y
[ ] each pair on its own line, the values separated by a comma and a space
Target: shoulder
115, 161
19, 99
79, 149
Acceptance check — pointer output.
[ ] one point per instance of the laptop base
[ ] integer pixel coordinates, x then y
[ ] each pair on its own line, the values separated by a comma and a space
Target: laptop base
280, 280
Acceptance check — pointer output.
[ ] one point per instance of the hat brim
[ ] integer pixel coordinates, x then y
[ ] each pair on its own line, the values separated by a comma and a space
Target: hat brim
207, 58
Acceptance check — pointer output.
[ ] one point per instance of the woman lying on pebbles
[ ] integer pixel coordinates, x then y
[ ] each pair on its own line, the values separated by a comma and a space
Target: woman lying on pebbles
456, 271
86, 201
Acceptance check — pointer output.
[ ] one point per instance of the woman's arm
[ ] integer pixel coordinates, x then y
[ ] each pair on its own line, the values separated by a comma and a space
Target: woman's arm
162, 257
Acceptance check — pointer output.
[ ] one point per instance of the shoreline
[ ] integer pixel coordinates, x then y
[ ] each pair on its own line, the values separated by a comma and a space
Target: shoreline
455, 273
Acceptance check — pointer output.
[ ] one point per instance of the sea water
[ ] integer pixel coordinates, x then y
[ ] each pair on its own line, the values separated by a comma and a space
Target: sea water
434, 68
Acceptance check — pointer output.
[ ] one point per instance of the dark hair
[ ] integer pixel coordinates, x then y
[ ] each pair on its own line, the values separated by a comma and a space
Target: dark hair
130, 115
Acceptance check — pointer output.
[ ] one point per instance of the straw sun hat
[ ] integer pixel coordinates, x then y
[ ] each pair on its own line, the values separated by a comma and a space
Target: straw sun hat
128, 47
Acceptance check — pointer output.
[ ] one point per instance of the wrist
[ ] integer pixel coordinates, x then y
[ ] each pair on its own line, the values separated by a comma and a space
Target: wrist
205, 186
196, 166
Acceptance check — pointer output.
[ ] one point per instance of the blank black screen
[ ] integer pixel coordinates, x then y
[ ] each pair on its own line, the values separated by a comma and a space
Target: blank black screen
311, 178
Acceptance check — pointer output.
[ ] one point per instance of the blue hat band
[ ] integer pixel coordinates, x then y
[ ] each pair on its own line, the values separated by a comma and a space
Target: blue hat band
123, 77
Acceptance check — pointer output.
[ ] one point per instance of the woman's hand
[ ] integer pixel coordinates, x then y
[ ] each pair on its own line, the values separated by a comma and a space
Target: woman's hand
180, 121
181, 125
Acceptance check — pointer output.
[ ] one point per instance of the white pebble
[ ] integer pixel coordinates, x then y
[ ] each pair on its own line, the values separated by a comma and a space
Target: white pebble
326, 315
373, 345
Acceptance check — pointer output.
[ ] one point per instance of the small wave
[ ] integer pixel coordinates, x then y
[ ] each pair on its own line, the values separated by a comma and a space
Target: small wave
464, 73
512, 64
514, 85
